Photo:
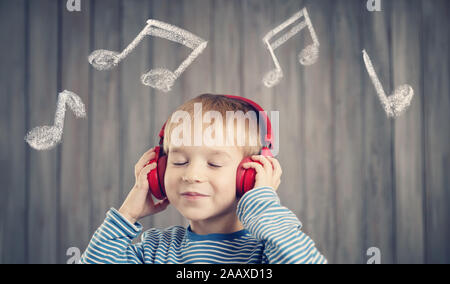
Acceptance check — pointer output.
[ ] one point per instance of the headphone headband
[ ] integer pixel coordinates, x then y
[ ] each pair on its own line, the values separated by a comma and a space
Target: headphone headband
268, 138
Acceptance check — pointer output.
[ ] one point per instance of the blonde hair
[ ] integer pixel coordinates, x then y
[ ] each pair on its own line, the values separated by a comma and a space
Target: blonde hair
221, 104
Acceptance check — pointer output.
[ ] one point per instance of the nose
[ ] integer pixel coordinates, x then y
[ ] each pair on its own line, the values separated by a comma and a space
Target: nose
193, 174
193, 179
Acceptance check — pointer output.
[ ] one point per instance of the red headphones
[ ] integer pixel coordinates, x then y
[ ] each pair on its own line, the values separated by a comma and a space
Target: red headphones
245, 178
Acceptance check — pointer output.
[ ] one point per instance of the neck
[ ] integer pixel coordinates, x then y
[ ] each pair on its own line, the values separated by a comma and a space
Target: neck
224, 224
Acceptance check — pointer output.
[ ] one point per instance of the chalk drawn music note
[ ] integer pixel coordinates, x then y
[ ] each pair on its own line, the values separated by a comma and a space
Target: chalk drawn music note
308, 56
47, 137
399, 101
162, 79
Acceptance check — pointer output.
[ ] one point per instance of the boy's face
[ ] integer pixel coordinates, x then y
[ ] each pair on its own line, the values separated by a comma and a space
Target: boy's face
201, 181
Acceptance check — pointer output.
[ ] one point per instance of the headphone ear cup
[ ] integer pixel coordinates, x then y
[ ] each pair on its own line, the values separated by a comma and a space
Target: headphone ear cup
154, 176
240, 178
245, 178
249, 180
162, 164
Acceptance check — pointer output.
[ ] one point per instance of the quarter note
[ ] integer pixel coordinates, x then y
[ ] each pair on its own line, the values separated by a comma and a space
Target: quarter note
306, 57
399, 101
162, 79
47, 137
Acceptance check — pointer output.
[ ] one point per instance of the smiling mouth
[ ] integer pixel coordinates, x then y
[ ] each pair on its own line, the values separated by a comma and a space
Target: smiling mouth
193, 195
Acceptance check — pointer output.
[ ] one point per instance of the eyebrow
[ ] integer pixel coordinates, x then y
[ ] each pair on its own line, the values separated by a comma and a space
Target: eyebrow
211, 152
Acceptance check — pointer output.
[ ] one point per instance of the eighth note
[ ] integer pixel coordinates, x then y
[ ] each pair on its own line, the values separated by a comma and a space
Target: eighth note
47, 137
396, 103
374, 5
73, 5
162, 79
306, 57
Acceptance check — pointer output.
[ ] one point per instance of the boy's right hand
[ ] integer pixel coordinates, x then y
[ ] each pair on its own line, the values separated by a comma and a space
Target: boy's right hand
139, 202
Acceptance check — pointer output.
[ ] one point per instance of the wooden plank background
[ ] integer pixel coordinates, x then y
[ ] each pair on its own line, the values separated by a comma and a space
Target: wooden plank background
355, 178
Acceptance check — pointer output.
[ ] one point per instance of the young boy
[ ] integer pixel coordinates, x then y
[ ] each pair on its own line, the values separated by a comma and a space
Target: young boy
200, 182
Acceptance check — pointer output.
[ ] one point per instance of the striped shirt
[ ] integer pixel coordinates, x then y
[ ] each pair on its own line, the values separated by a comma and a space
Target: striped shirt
271, 234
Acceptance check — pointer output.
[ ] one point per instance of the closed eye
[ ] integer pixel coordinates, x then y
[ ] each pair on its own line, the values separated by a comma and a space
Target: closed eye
210, 164
214, 166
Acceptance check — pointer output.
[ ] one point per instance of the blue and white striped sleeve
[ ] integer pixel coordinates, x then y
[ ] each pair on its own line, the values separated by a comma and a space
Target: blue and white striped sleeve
277, 227
111, 243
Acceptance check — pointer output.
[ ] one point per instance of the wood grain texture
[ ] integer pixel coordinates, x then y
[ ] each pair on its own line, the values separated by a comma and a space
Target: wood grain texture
226, 46
43, 94
257, 22
436, 70
320, 220
288, 101
136, 100
168, 55
355, 178
75, 194
378, 159
104, 118
348, 143
198, 78
13, 150
408, 140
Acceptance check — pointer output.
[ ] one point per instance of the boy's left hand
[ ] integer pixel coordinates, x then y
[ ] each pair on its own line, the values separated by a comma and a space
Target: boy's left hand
268, 174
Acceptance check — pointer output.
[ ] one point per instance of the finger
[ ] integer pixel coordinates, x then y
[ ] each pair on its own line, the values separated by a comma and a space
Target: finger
256, 166
149, 151
265, 160
278, 171
145, 170
147, 157
267, 165
142, 177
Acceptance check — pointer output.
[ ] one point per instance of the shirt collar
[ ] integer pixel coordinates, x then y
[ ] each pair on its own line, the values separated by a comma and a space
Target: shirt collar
214, 237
